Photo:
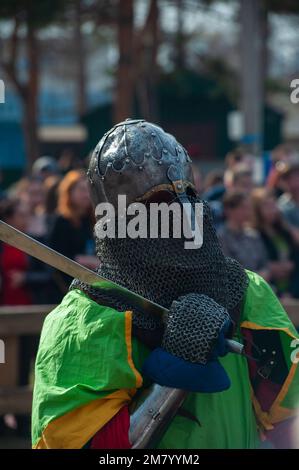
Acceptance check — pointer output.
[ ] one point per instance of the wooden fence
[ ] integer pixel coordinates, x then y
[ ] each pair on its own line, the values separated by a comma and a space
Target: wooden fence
27, 320
15, 322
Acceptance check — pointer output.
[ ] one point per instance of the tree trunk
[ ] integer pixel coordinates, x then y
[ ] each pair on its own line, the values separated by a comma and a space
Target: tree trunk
30, 133
179, 54
125, 74
30, 99
264, 46
153, 69
80, 59
146, 53
252, 82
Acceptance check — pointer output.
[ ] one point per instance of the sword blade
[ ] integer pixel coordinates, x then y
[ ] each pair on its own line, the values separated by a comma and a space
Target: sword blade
32, 247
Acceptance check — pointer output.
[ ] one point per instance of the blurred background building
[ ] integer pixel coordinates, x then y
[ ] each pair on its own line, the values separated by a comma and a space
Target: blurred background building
74, 67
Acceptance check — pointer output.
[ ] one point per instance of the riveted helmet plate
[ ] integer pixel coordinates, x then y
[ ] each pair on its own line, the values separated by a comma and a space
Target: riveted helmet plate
139, 152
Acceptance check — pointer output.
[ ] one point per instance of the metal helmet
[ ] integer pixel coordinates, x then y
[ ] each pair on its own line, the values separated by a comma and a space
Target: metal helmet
137, 158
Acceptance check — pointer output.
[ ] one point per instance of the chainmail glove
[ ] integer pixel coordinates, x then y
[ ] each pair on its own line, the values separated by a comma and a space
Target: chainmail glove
193, 339
196, 326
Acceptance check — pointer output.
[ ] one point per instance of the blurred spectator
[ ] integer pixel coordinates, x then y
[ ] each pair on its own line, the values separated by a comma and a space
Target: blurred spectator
240, 178
72, 230
237, 176
34, 195
31, 190
17, 284
289, 201
282, 249
214, 186
234, 160
237, 156
238, 240
25, 280
69, 161
44, 167
282, 153
51, 185
14, 263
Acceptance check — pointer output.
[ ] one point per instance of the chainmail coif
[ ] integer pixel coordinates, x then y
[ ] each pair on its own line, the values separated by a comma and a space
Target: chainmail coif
162, 270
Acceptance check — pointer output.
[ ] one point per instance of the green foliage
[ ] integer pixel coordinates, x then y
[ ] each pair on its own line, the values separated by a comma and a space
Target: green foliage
35, 13
282, 6
185, 83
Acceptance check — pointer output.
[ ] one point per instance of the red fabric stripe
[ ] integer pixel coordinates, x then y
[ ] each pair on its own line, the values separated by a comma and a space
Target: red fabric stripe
115, 434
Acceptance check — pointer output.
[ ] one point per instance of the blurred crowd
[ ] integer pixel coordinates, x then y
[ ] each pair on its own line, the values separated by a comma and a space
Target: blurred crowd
53, 206
258, 223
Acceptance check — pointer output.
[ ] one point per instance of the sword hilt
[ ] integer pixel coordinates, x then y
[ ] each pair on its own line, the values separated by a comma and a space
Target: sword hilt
234, 346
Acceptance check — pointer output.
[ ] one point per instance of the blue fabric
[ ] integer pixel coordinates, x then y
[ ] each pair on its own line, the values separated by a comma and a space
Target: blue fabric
165, 369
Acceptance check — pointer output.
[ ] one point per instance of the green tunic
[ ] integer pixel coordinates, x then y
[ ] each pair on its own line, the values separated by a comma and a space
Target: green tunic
224, 420
88, 366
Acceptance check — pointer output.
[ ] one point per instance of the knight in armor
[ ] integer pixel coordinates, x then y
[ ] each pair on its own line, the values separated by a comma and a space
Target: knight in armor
99, 353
